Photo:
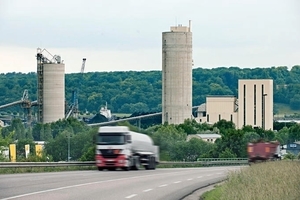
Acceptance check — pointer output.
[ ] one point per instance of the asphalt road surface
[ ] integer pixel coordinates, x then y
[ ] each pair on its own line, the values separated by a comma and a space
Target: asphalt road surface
165, 184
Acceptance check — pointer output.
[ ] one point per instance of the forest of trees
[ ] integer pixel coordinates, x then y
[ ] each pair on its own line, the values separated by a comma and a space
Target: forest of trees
133, 91
136, 92
172, 139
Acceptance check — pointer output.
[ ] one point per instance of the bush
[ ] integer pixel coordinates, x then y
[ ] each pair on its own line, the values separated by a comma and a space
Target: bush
35, 158
290, 156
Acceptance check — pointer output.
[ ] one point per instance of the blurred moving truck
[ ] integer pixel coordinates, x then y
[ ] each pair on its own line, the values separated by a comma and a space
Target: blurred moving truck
263, 151
118, 147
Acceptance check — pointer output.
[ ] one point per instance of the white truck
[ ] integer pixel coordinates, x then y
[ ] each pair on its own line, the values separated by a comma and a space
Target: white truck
118, 147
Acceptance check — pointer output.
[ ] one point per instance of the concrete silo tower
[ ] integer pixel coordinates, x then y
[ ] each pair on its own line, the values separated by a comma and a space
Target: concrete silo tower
50, 87
177, 74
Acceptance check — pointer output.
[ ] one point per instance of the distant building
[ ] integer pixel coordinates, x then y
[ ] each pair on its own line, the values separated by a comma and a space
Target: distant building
205, 137
293, 147
217, 108
1, 123
254, 105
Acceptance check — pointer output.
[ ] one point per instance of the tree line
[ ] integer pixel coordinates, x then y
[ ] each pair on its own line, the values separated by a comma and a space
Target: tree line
140, 91
172, 139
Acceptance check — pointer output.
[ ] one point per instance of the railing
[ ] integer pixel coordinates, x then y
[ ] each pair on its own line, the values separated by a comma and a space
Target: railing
200, 162
210, 162
45, 164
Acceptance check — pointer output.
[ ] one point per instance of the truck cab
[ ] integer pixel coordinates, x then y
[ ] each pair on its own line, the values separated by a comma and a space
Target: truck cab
118, 147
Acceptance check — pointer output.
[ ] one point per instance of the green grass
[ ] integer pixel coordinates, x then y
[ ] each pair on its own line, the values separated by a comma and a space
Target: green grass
44, 169
122, 114
214, 194
264, 181
284, 109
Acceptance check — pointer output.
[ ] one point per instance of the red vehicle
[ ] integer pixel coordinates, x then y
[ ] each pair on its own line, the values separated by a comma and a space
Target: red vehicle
263, 151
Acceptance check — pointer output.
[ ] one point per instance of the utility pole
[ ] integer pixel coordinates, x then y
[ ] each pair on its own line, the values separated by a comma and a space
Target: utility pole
68, 147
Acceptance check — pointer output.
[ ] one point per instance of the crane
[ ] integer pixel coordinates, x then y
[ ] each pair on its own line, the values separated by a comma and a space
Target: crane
74, 108
25, 103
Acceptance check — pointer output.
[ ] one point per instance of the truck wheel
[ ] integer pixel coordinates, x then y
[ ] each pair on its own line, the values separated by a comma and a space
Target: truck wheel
153, 163
100, 168
149, 164
136, 163
126, 168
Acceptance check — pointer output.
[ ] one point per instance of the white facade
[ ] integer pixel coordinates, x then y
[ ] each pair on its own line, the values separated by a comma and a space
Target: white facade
219, 107
205, 137
177, 75
256, 103
253, 107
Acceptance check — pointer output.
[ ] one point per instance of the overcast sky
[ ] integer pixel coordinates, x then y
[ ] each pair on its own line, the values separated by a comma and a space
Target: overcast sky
124, 35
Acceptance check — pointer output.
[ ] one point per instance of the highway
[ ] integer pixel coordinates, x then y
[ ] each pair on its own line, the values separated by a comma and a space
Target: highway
174, 183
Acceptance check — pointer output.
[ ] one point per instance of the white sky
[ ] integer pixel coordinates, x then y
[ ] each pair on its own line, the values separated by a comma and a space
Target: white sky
123, 35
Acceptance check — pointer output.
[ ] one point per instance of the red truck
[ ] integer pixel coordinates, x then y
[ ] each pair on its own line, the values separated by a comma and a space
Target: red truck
263, 151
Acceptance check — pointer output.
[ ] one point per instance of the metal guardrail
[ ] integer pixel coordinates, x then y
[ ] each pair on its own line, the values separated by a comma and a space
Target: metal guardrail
45, 164
212, 161
204, 161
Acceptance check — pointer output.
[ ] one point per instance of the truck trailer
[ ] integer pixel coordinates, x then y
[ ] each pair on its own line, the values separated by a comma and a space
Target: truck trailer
118, 147
263, 151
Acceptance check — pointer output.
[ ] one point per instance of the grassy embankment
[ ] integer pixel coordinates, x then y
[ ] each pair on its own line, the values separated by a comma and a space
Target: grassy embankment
44, 169
284, 109
264, 181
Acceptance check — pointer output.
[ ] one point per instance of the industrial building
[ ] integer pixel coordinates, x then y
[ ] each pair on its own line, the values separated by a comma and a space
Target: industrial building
254, 105
207, 137
217, 108
50, 87
177, 74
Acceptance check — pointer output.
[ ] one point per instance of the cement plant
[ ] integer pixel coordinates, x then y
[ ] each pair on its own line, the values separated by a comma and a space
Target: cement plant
254, 105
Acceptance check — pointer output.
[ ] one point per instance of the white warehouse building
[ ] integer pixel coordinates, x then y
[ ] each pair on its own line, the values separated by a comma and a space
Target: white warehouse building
217, 108
254, 105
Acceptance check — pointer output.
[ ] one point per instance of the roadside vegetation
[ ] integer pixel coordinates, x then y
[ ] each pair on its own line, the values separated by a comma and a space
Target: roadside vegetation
172, 140
263, 181
44, 169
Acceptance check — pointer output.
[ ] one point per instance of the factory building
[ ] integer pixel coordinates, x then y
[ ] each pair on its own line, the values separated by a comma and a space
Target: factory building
51, 87
177, 74
217, 108
254, 105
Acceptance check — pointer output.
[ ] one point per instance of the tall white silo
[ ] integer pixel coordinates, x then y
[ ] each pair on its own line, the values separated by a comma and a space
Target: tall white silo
51, 87
177, 74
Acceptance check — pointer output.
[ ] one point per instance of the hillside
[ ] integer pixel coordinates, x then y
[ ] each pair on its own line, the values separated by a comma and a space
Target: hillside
133, 91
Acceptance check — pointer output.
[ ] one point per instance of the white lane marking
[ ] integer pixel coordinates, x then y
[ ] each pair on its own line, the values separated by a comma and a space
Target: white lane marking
163, 185
199, 176
177, 181
189, 179
208, 175
83, 184
147, 190
130, 196
219, 173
